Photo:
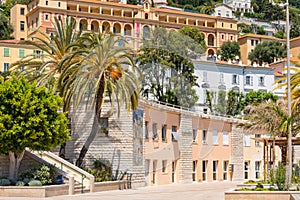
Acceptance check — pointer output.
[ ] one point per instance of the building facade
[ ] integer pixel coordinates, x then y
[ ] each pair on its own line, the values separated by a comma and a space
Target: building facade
248, 43
134, 22
219, 76
240, 5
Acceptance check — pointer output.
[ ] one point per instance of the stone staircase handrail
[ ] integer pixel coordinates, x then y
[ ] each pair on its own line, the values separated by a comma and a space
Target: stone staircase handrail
84, 178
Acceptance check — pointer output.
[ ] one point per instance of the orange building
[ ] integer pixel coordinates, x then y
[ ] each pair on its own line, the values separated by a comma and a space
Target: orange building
131, 21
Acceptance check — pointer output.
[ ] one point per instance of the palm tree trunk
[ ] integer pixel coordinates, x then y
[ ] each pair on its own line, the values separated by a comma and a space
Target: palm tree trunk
88, 142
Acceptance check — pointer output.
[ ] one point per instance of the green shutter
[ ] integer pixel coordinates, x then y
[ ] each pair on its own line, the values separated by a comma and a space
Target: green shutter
6, 52
21, 53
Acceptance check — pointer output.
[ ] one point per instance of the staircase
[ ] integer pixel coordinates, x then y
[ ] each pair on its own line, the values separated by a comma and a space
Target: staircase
295, 196
79, 180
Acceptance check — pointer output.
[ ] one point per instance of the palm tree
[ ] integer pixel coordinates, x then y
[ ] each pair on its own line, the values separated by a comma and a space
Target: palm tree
56, 62
271, 117
106, 69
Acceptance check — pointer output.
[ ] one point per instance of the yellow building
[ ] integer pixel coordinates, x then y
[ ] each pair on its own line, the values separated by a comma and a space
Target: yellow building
13, 50
132, 21
248, 43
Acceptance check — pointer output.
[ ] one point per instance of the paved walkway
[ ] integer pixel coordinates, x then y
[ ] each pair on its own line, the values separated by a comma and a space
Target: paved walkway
193, 191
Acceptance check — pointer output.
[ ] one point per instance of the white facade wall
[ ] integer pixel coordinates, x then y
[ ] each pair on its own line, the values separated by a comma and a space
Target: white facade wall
214, 77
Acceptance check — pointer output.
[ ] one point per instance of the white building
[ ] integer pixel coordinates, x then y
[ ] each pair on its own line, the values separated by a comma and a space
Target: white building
216, 76
223, 10
239, 5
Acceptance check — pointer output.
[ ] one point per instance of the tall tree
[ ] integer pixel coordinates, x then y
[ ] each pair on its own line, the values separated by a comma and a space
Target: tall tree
5, 27
167, 68
57, 62
29, 117
267, 51
193, 33
107, 69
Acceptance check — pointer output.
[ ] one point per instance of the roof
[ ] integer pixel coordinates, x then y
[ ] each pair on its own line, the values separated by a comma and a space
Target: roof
223, 4
11, 41
261, 37
109, 3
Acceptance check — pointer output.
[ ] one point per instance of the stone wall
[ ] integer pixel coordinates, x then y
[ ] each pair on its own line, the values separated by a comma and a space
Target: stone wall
237, 153
186, 138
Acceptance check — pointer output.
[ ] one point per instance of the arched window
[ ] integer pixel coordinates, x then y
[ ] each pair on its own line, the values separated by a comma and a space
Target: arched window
146, 32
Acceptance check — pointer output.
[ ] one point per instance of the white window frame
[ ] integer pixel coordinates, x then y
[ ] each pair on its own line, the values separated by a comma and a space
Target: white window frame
225, 138
215, 137
247, 142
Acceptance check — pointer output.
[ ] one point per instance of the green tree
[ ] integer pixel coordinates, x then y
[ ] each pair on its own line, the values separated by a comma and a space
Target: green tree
107, 69
267, 51
221, 104
280, 34
5, 28
29, 117
193, 33
229, 50
58, 61
167, 69
234, 103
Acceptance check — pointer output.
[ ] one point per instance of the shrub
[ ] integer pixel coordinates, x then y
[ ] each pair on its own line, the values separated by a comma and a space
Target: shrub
20, 183
35, 183
43, 174
26, 180
5, 182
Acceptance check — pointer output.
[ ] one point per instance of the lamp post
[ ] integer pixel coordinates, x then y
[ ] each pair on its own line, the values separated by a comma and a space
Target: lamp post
289, 153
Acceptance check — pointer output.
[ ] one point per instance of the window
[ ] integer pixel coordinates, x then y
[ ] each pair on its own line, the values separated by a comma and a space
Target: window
248, 80
221, 78
173, 171
22, 11
247, 140
261, 81
6, 52
204, 136
215, 137
225, 138
175, 135
46, 3
225, 170
222, 24
146, 16
37, 53
22, 68
194, 173
230, 25
194, 135
164, 166
154, 171
5, 67
164, 132
204, 170
22, 25
219, 14
256, 42
46, 17
246, 170
36, 21
146, 130
215, 170
257, 169
51, 35
257, 144
252, 42
58, 4
235, 79
146, 32
223, 37
154, 131
231, 37
104, 125
227, 13
204, 76
59, 17
21, 53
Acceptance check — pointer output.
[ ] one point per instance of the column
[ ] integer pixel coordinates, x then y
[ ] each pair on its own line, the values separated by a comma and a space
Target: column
237, 153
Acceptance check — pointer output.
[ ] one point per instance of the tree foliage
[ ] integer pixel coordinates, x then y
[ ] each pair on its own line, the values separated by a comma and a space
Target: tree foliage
5, 28
229, 50
267, 51
29, 117
233, 102
166, 66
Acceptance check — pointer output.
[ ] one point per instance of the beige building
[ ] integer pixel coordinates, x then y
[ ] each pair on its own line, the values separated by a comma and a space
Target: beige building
131, 21
248, 43
13, 50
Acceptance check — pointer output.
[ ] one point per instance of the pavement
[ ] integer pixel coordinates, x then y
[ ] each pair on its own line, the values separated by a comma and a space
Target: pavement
190, 191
